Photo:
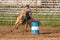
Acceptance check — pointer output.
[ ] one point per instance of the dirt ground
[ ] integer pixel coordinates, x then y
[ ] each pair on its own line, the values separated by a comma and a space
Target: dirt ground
46, 33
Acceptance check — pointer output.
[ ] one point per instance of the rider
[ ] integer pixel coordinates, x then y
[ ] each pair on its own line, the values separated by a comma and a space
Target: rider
28, 15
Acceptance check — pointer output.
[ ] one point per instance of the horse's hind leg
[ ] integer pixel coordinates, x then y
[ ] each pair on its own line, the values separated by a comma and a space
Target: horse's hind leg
26, 26
29, 23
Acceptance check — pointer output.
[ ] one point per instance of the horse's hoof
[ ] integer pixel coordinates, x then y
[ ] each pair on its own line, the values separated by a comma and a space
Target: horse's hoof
11, 31
26, 30
16, 27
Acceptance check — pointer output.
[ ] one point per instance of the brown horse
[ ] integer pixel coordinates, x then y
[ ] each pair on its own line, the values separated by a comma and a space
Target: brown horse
20, 20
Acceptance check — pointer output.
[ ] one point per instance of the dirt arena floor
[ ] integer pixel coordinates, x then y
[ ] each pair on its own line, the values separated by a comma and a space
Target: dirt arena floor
46, 33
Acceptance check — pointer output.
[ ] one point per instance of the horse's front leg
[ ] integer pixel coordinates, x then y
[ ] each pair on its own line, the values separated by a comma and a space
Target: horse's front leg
16, 25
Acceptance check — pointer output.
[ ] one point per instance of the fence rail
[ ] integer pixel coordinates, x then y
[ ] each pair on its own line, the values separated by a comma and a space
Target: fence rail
33, 9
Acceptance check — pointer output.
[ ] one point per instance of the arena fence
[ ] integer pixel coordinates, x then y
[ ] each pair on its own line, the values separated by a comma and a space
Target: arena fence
8, 16
48, 16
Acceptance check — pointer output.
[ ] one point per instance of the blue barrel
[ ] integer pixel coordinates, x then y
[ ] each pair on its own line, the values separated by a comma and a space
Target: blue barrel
35, 27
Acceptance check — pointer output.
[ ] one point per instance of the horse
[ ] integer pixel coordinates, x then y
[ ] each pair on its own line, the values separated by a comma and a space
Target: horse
20, 20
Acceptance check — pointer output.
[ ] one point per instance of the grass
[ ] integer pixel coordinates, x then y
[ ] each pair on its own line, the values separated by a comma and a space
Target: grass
44, 22
54, 24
